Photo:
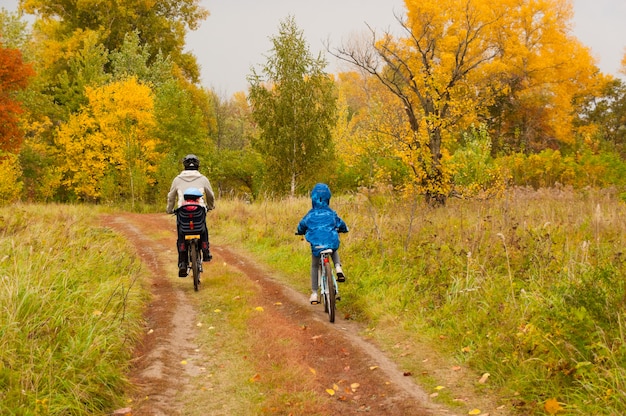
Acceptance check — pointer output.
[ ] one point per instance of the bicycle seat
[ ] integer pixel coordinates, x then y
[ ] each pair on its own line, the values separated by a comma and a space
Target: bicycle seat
327, 251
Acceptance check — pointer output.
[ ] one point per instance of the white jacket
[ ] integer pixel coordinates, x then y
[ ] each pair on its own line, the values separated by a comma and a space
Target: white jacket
190, 179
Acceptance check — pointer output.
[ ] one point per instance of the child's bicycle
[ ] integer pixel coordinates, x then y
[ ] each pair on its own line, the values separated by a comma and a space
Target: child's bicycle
329, 291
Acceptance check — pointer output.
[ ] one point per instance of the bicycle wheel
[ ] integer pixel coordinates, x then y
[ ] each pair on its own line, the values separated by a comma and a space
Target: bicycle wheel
195, 264
330, 292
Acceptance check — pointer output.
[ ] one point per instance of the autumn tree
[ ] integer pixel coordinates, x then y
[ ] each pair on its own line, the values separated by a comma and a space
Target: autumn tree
14, 33
368, 116
294, 106
603, 116
545, 70
429, 71
14, 76
106, 150
162, 25
457, 58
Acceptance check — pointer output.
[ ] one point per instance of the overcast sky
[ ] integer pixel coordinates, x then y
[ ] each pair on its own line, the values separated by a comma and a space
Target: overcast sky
236, 35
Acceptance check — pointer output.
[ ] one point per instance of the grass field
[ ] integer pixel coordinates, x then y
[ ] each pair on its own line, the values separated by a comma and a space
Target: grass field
528, 288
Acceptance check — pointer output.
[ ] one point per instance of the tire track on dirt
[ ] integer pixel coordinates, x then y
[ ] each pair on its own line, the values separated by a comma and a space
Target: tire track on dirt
170, 333
169, 320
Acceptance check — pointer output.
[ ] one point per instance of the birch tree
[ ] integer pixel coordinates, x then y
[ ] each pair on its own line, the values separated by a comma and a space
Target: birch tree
294, 105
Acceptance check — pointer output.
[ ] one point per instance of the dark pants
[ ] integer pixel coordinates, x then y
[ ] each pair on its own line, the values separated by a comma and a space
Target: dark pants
181, 245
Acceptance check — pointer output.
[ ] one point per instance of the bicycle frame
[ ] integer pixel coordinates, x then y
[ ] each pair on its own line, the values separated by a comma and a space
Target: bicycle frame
326, 280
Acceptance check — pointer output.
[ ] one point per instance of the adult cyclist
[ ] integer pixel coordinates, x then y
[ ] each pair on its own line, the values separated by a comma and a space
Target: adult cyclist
190, 177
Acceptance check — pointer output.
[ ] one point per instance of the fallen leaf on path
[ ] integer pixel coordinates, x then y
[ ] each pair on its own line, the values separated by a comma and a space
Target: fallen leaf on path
474, 412
184, 362
255, 378
331, 392
259, 308
354, 386
217, 310
278, 303
312, 370
374, 367
439, 388
456, 368
484, 378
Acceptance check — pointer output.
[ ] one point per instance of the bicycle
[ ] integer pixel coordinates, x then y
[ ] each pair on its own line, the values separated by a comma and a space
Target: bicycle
326, 281
194, 256
191, 223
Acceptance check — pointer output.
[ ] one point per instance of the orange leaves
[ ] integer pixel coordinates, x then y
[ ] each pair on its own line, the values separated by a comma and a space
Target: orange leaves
14, 76
342, 390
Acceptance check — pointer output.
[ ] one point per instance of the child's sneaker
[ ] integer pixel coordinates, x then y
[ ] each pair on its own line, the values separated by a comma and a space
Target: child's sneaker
313, 299
340, 276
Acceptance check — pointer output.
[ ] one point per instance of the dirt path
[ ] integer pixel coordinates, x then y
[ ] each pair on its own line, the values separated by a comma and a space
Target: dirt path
170, 327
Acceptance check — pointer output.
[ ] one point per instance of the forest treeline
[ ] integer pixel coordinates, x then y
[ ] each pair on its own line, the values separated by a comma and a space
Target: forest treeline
99, 102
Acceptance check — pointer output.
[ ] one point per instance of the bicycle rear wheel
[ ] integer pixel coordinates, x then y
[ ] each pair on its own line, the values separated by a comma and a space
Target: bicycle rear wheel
330, 292
195, 264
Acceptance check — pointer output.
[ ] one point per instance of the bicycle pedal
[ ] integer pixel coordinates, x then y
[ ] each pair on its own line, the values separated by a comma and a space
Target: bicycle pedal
316, 302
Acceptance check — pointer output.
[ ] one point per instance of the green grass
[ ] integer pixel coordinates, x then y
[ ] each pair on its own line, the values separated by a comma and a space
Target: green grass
223, 315
529, 288
69, 317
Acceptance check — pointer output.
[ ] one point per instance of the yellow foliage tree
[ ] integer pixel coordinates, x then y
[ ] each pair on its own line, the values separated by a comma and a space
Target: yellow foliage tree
462, 58
369, 129
106, 150
544, 69
10, 172
429, 71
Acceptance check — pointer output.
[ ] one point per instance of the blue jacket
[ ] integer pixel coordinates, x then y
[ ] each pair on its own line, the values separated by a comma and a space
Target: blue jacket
321, 224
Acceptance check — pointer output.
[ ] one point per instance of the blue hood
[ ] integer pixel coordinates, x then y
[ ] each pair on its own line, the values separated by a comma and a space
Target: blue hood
321, 224
320, 196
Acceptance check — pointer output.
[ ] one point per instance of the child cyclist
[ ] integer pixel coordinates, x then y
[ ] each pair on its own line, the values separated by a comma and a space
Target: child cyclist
321, 226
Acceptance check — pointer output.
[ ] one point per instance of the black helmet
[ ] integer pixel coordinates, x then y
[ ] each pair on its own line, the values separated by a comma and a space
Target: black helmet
191, 162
